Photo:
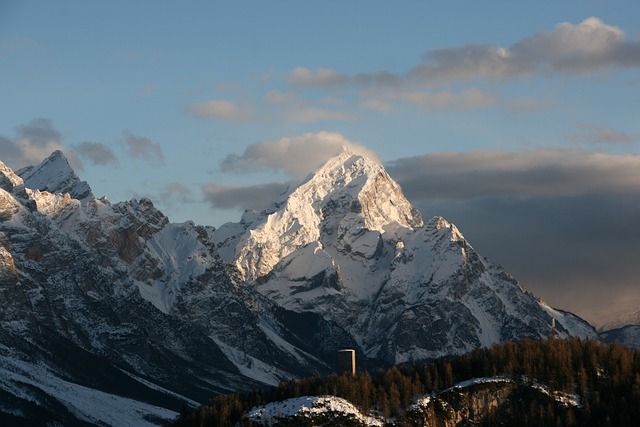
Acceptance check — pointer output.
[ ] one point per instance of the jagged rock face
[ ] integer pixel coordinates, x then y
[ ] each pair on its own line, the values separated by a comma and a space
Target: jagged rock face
180, 312
8, 273
348, 195
489, 403
117, 288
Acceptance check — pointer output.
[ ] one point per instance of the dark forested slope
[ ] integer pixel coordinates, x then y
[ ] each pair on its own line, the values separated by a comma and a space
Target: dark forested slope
529, 382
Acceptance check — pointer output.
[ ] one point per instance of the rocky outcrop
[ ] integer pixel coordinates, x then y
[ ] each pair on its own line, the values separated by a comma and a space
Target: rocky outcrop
490, 402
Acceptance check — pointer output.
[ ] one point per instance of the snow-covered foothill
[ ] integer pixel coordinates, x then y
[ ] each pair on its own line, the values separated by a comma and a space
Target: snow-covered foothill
310, 408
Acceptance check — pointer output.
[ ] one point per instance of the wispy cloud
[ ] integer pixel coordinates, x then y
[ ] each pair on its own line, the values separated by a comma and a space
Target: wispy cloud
588, 47
148, 90
601, 135
143, 148
174, 196
254, 197
292, 108
220, 109
427, 101
321, 77
96, 152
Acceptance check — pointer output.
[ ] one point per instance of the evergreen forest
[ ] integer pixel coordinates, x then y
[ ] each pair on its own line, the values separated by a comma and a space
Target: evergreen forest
605, 379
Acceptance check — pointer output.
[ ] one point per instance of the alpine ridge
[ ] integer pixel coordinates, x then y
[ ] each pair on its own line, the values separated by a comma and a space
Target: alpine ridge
346, 244
115, 300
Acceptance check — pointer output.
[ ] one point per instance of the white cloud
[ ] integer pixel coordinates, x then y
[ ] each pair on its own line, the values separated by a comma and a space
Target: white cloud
220, 109
297, 156
588, 47
321, 77
573, 49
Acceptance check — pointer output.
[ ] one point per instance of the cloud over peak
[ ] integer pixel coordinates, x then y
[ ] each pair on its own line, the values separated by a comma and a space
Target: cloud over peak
34, 142
296, 156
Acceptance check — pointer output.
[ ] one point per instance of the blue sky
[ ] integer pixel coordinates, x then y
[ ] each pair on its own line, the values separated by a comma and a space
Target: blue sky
516, 121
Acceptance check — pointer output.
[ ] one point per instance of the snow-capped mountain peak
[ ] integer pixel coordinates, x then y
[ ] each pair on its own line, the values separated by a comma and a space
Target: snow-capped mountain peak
55, 175
349, 194
347, 245
8, 178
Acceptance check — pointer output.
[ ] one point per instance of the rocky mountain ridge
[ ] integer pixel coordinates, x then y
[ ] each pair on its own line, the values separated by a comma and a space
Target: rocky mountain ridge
346, 244
177, 312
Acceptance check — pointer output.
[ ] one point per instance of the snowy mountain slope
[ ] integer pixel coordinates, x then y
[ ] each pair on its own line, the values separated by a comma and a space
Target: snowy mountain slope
54, 175
178, 312
347, 245
36, 381
622, 313
627, 335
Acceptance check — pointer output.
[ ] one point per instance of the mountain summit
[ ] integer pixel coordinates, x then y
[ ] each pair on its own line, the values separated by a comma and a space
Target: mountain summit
55, 175
114, 302
346, 197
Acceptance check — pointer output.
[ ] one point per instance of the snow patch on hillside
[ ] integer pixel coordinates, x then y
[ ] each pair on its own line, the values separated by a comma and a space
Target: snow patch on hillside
85, 403
577, 326
251, 367
309, 407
